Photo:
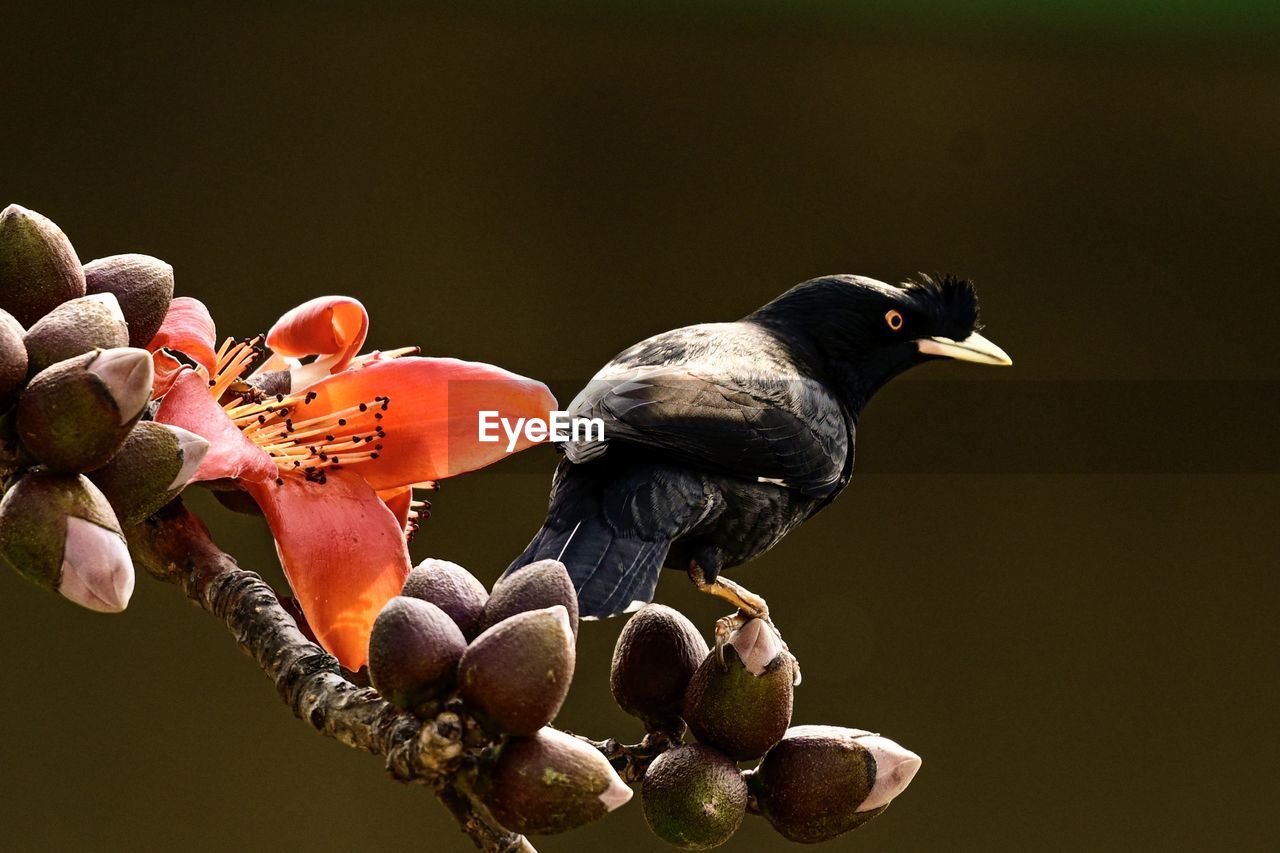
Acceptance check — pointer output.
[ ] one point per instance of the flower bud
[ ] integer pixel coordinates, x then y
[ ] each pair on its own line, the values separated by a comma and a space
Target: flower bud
13, 358
739, 712
657, 653
73, 328
515, 676
545, 583
451, 588
39, 268
59, 532
74, 415
548, 783
694, 797
414, 650
150, 469
144, 286
821, 781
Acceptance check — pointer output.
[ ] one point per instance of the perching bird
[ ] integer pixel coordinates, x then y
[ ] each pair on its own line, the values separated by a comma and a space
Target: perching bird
721, 438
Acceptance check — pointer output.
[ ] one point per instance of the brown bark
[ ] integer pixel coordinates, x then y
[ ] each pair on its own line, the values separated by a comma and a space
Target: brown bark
175, 546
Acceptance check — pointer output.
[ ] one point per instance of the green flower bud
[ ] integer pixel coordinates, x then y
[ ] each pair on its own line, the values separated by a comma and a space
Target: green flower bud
821, 781
451, 588
515, 676
694, 797
655, 658
73, 328
545, 583
39, 268
150, 469
59, 532
414, 650
735, 710
74, 415
548, 783
13, 359
144, 286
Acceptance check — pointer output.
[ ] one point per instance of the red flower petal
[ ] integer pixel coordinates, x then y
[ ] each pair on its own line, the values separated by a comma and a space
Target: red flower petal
167, 368
188, 328
398, 501
324, 326
188, 404
432, 421
343, 552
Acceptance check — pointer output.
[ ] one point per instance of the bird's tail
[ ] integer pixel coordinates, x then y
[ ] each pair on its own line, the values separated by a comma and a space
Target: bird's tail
612, 573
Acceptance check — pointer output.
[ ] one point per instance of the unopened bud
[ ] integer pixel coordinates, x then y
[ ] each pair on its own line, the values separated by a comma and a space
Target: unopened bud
515, 676
59, 532
655, 658
414, 649
740, 713
74, 415
39, 268
757, 645
821, 781
451, 588
144, 286
694, 797
151, 467
96, 570
13, 358
75, 327
549, 783
545, 583
128, 373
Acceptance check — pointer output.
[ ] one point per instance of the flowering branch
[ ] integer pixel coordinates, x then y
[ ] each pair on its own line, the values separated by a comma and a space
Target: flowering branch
174, 546
114, 396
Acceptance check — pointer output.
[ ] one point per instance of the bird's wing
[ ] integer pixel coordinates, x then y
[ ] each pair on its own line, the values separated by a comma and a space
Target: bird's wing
785, 431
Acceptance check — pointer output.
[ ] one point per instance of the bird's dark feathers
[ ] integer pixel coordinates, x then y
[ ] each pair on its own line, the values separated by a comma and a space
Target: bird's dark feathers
950, 300
719, 438
726, 397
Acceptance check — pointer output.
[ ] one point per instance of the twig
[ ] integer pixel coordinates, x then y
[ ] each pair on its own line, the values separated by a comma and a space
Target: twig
175, 546
632, 760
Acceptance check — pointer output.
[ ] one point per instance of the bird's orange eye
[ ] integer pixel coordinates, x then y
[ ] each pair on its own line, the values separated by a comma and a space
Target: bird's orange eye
894, 319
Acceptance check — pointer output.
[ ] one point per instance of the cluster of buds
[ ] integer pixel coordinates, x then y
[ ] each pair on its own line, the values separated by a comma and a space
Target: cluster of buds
811, 783
507, 659
78, 459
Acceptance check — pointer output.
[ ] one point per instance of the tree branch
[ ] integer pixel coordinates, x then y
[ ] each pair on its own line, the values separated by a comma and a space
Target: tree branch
175, 546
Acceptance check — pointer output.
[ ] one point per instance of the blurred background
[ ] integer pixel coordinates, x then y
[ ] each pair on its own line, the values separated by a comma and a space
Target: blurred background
1056, 582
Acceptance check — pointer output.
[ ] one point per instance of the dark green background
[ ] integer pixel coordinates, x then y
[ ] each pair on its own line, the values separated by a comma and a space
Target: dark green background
1029, 584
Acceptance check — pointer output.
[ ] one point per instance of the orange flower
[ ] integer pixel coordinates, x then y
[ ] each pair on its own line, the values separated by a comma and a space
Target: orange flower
333, 460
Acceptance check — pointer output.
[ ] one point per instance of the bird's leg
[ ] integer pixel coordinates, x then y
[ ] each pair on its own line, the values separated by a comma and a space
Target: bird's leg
750, 605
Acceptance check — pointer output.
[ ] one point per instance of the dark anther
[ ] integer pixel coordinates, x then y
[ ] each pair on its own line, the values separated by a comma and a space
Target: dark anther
279, 481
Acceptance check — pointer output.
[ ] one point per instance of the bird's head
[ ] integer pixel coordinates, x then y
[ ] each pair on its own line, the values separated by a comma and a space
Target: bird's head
862, 332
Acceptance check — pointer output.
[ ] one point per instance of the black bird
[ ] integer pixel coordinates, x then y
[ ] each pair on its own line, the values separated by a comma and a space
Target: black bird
721, 438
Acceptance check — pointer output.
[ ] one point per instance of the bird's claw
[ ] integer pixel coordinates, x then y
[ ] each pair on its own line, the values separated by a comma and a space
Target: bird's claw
727, 625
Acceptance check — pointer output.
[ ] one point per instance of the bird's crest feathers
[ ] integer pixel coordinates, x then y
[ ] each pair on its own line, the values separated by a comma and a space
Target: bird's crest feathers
949, 299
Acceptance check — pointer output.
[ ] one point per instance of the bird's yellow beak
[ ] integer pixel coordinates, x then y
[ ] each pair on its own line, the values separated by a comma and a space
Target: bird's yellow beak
974, 348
